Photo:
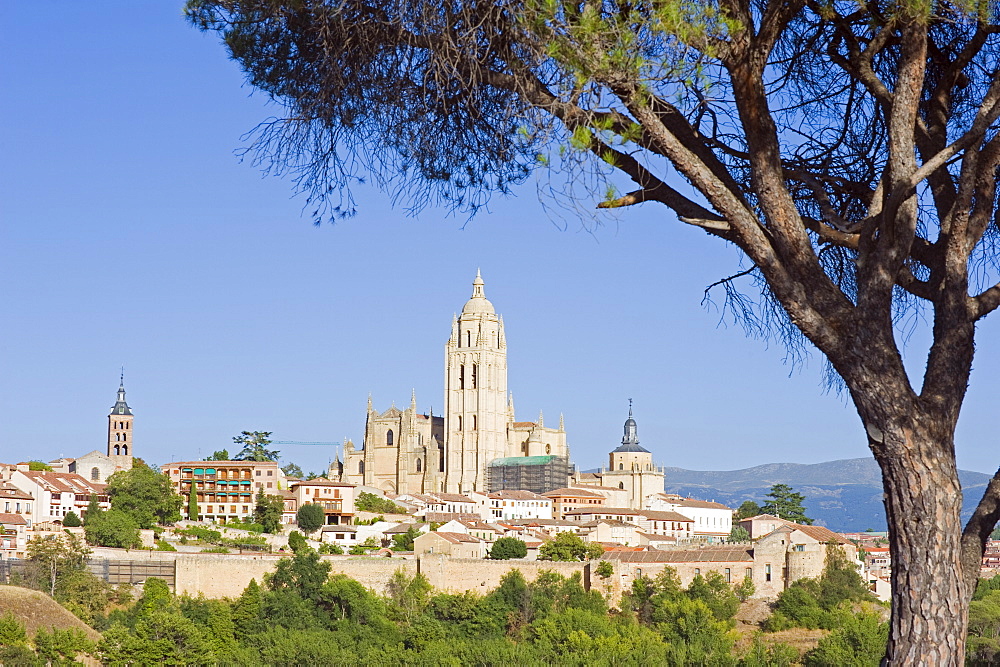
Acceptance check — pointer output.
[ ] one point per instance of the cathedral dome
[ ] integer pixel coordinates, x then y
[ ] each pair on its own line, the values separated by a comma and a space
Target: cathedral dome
478, 304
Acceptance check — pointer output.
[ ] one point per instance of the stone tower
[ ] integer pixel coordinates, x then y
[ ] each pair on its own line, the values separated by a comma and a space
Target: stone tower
475, 394
120, 429
631, 467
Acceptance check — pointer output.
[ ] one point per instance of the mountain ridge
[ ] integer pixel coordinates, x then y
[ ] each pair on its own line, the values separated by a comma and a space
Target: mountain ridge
844, 495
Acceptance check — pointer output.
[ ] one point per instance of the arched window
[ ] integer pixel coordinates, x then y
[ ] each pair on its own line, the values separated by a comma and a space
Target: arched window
548, 449
124, 450
420, 466
468, 339
118, 449
621, 466
361, 467
461, 376
475, 373
388, 438
460, 422
95, 474
621, 485
474, 424
124, 437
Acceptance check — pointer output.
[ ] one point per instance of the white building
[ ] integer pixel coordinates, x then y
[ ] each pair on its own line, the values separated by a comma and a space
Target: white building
713, 521
519, 505
57, 494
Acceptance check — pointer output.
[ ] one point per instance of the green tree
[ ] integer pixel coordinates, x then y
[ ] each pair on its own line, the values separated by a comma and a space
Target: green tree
304, 574
93, 509
220, 455
784, 503
748, 509
885, 202
292, 470
404, 541
409, 595
506, 548
61, 646
57, 555
567, 546
739, 534
605, 569
145, 495
12, 632
71, 520
254, 446
192, 504
310, 517
745, 589
267, 511
296, 542
369, 502
113, 528
858, 642
39, 466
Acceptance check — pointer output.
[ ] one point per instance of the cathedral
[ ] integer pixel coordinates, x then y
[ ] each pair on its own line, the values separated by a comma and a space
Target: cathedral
475, 441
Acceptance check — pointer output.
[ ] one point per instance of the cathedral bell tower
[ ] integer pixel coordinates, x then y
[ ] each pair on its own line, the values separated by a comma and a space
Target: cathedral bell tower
120, 426
475, 393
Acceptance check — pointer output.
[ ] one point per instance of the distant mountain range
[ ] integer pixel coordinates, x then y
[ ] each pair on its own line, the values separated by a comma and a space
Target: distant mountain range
845, 496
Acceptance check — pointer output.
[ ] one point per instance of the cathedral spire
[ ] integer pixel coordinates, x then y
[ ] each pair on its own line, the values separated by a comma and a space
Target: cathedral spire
630, 441
541, 419
413, 400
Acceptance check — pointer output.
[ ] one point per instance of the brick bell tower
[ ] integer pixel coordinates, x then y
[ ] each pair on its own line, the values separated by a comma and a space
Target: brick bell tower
120, 428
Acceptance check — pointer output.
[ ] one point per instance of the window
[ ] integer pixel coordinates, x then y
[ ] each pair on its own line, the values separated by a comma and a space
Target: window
124, 450
209, 509
621, 466
474, 424
419, 466
697, 571
246, 509
621, 485
729, 575
270, 473
118, 450
800, 547
468, 339
475, 373
388, 438
95, 474
749, 572
460, 422
361, 467
767, 572
461, 376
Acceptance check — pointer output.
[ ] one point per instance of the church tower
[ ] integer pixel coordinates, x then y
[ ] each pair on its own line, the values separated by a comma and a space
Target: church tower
631, 467
120, 428
475, 394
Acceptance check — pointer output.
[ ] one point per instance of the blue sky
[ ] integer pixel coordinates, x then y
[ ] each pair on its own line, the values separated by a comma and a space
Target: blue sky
131, 234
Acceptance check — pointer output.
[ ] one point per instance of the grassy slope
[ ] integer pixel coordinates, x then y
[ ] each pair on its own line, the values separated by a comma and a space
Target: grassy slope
37, 610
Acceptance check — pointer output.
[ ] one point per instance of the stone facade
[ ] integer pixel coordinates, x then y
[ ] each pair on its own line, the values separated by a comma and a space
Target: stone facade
406, 451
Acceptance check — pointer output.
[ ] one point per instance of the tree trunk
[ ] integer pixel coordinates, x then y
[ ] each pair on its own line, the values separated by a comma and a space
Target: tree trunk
923, 501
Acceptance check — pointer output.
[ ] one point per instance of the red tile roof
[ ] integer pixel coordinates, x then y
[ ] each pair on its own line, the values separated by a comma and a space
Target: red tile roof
12, 519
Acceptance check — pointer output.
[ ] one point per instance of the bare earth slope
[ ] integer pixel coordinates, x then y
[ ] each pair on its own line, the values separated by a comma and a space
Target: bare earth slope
37, 610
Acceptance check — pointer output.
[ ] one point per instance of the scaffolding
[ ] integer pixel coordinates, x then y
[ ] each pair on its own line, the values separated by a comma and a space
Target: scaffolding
540, 474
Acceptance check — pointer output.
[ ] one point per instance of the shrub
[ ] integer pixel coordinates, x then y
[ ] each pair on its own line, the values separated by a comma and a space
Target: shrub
215, 550
71, 520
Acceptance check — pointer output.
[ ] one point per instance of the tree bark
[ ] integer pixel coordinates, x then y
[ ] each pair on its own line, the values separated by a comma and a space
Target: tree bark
923, 501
